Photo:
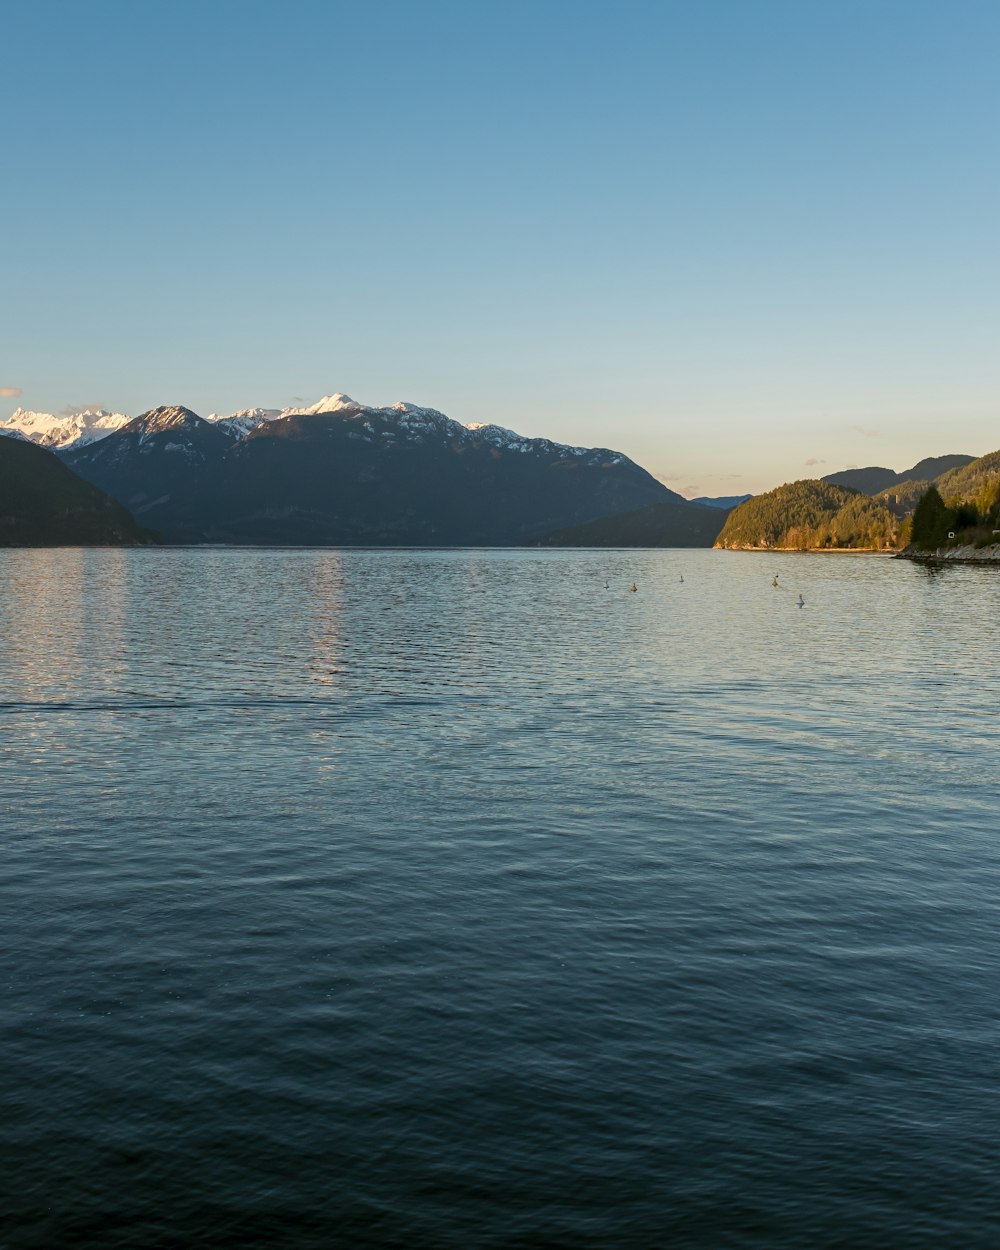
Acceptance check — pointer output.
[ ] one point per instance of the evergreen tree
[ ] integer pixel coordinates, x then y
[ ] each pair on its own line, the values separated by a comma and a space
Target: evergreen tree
932, 521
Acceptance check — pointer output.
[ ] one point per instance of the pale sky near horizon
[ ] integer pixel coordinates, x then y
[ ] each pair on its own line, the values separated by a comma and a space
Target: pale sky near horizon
743, 242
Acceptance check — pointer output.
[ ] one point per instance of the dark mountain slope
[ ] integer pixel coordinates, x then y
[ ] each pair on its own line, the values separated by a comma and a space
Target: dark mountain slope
726, 502
933, 467
405, 475
869, 481
376, 479
43, 503
667, 524
875, 479
164, 465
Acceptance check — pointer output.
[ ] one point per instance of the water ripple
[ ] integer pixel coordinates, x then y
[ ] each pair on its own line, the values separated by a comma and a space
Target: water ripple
432, 899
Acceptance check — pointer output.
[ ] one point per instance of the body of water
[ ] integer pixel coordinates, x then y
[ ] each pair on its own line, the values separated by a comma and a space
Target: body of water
442, 899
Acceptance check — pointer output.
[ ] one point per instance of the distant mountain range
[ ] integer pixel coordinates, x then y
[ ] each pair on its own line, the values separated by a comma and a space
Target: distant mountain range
720, 501
338, 472
872, 480
58, 432
68, 432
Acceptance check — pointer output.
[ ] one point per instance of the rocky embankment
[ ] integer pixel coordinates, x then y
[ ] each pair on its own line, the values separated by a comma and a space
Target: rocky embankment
967, 553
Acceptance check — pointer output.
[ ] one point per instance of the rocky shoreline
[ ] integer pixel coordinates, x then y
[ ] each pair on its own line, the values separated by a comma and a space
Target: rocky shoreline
967, 554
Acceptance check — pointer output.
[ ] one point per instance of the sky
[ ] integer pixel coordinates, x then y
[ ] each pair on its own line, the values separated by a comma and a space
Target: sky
743, 241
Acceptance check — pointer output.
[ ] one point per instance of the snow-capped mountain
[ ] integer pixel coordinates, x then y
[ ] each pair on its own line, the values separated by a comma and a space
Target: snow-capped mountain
337, 472
239, 424
60, 432
414, 423
182, 427
336, 402
165, 462
172, 431
405, 421
65, 433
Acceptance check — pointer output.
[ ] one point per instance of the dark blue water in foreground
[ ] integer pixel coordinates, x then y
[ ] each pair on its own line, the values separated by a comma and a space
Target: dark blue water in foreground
447, 899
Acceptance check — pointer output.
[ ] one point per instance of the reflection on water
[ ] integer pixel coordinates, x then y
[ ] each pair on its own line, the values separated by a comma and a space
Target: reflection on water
440, 899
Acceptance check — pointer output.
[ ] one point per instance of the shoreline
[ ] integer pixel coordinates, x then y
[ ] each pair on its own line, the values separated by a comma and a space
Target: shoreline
967, 554
815, 551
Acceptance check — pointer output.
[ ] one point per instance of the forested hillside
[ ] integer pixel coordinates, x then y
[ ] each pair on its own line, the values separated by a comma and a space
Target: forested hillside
810, 514
961, 509
44, 504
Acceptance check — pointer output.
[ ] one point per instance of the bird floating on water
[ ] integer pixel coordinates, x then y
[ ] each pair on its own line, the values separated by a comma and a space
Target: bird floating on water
802, 602
633, 586
682, 577
775, 581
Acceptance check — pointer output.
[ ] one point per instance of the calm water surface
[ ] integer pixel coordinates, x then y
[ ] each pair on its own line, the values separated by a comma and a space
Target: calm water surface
448, 899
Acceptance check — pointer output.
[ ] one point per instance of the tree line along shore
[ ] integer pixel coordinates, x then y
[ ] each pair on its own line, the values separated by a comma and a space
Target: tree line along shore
957, 515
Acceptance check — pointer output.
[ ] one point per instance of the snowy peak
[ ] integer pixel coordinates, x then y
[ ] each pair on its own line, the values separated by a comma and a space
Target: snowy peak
239, 424
414, 419
171, 418
337, 402
416, 410
500, 436
409, 422
60, 432
509, 440
68, 433
396, 425
174, 431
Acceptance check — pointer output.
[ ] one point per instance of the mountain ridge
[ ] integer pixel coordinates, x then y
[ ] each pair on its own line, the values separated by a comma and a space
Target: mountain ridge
343, 473
875, 478
865, 512
67, 434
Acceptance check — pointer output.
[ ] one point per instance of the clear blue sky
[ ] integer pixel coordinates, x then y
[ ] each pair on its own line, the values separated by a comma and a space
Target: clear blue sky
726, 237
